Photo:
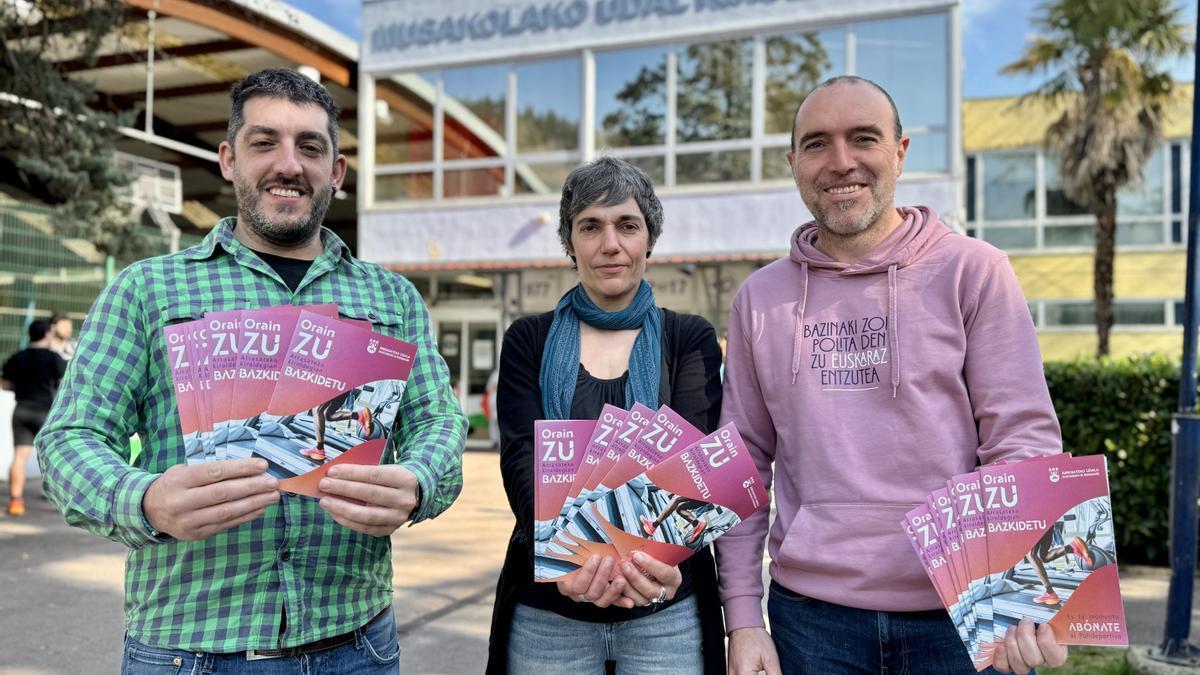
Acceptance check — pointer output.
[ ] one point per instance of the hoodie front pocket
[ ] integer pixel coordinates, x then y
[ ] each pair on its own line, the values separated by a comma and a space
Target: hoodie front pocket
854, 547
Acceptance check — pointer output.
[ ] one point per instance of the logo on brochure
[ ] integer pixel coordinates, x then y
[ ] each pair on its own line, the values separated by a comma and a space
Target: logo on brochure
372, 346
1054, 474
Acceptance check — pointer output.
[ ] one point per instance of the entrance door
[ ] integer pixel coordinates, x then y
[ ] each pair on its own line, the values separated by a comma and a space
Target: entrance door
468, 341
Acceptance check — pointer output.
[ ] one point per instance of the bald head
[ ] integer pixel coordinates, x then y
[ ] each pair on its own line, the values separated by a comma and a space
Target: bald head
851, 80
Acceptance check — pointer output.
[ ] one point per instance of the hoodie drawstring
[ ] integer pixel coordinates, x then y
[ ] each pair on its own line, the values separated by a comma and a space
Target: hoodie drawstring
893, 328
798, 342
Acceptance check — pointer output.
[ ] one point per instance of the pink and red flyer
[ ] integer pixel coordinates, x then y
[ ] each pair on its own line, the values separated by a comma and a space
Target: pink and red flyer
1035, 540
296, 386
673, 491
560, 447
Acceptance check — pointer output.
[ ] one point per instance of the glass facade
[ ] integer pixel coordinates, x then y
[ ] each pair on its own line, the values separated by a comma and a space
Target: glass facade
1016, 202
703, 112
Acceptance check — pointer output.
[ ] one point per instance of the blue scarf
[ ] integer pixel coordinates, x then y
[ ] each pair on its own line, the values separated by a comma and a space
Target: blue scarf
560, 360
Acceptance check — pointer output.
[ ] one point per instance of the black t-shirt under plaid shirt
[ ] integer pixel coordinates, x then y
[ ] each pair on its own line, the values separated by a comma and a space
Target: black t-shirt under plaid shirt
227, 593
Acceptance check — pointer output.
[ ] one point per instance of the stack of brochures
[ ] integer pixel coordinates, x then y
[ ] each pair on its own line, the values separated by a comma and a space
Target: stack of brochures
636, 480
294, 385
1028, 539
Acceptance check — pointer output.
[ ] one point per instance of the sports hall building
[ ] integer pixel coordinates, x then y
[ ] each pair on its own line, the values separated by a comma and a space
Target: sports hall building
472, 112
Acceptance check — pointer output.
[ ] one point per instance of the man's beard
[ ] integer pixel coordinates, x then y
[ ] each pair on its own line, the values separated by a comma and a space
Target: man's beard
285, 234
838, 222
847, 226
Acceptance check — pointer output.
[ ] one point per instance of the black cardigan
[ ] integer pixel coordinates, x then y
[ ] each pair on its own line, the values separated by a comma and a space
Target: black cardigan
693, 361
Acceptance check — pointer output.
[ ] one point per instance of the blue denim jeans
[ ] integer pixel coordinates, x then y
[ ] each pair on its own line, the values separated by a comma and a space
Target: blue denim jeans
813, 636
666, 642
375, 650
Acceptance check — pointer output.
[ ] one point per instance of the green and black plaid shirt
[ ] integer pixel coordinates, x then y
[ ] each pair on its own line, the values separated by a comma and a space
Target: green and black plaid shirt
228, 593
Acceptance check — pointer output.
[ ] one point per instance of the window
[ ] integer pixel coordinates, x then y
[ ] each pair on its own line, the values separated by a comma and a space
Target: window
1010, 191
404, 121
1139, 313
1010, 186
1011, 237
714, 91
548, 95
1145, 197
1069, 314
1069, 235
543, 178
796, 63
1057, 201
473, 105
1142, 233
712, 167
631, 98
908, 57
1125, 313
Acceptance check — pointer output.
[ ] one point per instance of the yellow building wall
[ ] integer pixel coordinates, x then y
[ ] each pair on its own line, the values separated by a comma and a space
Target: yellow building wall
1158, 275
1066, 345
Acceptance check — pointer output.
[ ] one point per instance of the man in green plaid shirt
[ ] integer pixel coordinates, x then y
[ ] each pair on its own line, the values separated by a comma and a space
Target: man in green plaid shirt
225, 573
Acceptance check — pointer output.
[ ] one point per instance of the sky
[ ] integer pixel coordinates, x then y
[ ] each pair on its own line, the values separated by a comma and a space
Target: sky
994, 34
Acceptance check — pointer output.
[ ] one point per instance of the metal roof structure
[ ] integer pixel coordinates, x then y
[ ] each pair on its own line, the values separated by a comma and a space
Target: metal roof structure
201, 47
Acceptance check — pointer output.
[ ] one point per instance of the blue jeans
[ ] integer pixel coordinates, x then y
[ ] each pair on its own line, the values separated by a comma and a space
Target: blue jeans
375, 650
813, 636
666, 642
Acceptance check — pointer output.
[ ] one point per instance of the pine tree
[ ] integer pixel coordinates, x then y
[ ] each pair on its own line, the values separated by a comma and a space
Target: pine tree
62, 149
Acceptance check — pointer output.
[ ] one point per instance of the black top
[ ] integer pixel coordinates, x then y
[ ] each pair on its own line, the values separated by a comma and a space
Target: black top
35, 374
591, 393
291, 270
691, 386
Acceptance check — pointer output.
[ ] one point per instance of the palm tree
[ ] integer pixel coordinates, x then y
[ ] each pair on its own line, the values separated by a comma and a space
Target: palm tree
1105, 61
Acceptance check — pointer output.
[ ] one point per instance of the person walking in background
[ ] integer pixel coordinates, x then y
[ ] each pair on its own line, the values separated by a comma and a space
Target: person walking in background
33, 375
489, 407
62, 330
606, 342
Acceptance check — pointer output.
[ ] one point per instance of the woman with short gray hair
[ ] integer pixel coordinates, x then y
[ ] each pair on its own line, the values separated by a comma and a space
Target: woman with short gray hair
606, 342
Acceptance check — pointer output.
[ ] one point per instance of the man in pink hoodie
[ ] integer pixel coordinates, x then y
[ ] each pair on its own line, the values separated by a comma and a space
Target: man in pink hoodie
883, 356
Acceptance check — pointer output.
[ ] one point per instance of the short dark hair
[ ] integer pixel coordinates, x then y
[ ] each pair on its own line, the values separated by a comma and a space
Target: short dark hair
852, 79
281, 83
38, 329
608, 181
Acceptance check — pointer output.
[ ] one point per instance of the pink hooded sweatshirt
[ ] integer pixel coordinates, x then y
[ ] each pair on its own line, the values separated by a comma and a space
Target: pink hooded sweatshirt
867, 385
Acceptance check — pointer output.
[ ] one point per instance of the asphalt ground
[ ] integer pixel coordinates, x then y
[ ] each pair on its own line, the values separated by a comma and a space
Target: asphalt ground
61, 587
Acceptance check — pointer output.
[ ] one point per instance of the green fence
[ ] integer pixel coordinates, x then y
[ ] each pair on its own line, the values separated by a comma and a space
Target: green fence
41, 273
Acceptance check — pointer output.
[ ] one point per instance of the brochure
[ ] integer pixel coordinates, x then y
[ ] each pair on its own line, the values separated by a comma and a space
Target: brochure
183, 384
922, 527
605, 431
1031, 539
577, 526
559, 448
685, 501
339, 385
1050, 535
673, 489
942, 511
340, 393
663, 435
263, 340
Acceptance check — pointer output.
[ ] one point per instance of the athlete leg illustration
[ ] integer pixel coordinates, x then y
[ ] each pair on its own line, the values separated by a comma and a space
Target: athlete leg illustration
1045, 551
685, 506
1076, 546
333, 411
